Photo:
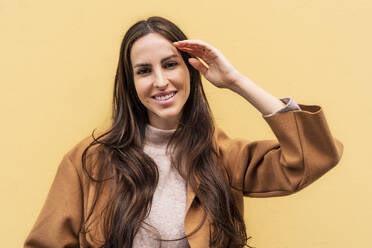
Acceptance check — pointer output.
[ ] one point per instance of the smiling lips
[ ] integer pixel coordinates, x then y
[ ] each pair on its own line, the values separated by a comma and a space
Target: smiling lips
164, 96
165, 99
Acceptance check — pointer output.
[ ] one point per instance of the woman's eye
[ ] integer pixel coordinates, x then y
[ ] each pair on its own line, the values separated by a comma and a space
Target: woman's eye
142, 71
171, 64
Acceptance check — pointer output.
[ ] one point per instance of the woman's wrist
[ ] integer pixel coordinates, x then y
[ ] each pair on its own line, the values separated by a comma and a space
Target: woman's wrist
235, 81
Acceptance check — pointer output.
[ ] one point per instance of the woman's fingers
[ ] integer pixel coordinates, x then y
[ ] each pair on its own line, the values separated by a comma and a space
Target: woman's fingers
197, 48
198, 65
201, 46
197, 52
216, 69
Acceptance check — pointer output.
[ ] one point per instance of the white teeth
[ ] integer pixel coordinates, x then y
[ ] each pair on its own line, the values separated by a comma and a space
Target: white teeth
166, 97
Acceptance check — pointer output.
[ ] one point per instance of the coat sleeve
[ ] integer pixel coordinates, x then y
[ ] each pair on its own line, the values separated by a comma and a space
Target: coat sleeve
290, 104
58, 223
304, 150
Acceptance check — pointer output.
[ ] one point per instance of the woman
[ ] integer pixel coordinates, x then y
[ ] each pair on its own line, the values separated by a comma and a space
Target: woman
162, 175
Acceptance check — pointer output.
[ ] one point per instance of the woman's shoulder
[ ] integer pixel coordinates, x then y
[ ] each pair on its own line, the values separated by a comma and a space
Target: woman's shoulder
92, 154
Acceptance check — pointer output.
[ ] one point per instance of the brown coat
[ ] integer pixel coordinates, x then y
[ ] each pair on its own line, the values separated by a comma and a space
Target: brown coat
305, 151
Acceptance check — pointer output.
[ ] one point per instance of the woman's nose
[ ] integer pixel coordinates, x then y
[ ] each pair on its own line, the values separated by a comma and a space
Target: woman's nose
160, 80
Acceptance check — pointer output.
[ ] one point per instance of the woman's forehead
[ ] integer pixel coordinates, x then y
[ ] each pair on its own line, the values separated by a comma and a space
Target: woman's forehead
152, 46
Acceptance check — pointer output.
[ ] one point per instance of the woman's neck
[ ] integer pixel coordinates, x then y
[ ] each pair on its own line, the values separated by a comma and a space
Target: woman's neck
157, 137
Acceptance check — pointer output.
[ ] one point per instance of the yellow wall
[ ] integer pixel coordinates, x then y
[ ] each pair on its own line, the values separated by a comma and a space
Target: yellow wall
57, 63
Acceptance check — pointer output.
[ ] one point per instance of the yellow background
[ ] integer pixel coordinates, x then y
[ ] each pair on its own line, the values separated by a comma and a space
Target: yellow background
58, 60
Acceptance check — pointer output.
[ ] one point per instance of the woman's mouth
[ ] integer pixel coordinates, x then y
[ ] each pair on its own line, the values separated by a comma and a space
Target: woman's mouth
166, 99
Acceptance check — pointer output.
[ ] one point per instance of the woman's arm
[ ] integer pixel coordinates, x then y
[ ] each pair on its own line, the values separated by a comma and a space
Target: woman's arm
59, 221
262, 100
304, 150
222, 74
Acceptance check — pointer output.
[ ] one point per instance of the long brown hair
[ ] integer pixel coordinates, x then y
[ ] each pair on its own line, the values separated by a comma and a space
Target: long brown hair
133, 175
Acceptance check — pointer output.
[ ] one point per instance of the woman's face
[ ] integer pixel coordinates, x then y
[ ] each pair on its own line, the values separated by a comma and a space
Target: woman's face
161, 79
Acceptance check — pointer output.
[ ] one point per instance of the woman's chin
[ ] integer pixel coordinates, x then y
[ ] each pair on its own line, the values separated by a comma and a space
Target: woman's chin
165, 120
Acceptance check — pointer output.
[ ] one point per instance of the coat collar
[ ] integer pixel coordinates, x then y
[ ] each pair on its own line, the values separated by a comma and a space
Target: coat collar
193, 217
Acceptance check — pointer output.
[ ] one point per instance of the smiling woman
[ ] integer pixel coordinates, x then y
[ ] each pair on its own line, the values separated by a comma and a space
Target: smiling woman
161, 78
163, 175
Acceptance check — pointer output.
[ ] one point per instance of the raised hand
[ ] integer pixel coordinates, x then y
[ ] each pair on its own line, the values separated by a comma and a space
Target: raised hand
219, 70
223, 75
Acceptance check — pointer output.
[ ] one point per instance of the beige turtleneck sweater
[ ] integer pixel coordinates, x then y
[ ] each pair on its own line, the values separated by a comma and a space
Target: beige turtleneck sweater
169, 201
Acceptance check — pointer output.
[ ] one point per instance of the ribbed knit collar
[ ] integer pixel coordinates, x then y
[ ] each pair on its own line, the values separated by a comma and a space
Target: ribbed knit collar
157, 137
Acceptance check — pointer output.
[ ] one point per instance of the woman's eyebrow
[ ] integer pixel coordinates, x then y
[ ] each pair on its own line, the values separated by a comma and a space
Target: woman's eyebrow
161, 61
169, 57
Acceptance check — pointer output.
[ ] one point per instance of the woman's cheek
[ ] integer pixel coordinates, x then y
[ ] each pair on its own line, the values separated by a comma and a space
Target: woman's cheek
143, 86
